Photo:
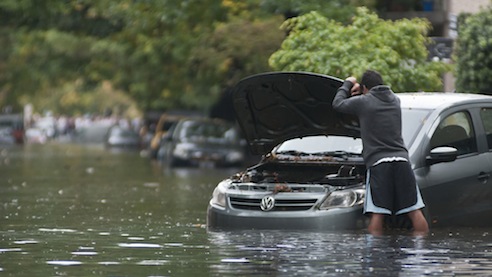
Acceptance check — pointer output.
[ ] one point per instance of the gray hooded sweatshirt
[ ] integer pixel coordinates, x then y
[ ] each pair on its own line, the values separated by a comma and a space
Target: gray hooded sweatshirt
379, 116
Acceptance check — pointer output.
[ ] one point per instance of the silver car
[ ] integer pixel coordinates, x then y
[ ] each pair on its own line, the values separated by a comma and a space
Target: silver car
312, 175
202, 141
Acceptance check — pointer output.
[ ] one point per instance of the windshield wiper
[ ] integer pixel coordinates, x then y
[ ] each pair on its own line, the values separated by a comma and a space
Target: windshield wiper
338, 153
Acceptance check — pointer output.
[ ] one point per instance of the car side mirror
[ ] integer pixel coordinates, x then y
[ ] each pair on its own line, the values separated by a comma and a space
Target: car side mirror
442, 154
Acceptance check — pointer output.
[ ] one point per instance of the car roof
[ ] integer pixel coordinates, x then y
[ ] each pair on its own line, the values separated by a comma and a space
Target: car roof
434, 100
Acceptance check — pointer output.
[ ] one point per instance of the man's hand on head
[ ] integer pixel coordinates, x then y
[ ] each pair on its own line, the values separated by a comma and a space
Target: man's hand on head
356, 90
352, 79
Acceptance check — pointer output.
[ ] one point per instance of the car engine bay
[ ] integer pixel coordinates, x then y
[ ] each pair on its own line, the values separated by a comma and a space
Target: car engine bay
292, 177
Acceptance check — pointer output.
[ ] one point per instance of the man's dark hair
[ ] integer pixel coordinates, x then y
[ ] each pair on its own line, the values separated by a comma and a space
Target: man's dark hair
371, 78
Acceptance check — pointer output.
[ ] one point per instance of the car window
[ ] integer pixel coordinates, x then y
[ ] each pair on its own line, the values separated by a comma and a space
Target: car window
456, 131
319, 144
201, 130
486, 115
214, 130
188, 129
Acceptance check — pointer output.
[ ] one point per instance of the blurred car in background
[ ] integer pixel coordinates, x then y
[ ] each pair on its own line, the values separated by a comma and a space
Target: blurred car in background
12, 128
200, 141
6, 136
47, 124
164, 123
118, 136
36, 135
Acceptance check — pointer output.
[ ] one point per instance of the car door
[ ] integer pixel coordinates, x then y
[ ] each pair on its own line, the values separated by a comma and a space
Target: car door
486, 122
454, 191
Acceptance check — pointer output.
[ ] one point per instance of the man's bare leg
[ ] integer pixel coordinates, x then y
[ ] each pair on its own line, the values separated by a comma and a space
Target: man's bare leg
376, 224
420, 225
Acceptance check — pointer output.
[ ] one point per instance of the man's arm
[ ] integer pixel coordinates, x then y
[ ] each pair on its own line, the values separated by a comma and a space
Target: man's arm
341, 101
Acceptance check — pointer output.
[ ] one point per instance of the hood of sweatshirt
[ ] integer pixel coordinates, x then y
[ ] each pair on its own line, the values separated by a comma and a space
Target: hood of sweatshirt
383, 93
273, 107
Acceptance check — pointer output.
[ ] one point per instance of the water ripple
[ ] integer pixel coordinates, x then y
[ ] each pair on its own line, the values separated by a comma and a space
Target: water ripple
10, 250
57, 230
84, 253
26, 242
153, 262
64, 263
139, 245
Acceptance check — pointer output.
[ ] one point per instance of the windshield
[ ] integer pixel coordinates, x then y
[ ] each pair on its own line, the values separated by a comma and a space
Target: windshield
320, 144
412, 120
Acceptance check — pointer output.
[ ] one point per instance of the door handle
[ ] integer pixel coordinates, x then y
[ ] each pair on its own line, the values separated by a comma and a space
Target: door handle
483, 177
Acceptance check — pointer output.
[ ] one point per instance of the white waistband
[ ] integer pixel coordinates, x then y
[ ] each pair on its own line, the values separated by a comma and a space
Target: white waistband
390, 159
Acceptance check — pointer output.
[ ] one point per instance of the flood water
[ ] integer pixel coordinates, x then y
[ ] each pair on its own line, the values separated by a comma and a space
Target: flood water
83, 210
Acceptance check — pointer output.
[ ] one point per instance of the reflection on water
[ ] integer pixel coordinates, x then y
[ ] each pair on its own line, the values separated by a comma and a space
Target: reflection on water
70, 210
352, 254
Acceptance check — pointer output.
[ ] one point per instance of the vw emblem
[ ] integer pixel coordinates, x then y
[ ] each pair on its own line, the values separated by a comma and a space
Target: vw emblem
267, 203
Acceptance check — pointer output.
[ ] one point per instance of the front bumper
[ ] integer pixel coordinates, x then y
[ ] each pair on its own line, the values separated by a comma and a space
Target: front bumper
313, 219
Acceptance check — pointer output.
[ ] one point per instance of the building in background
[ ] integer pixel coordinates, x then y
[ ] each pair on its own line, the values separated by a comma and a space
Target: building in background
442, 14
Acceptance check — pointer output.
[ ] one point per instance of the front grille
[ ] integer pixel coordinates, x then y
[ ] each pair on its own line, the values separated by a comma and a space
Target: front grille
285, 205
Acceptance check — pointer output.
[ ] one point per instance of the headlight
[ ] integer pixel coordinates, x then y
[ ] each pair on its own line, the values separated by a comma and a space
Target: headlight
219, 196
343, 199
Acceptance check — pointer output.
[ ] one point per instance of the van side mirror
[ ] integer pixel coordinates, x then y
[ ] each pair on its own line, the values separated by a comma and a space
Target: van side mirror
441, 154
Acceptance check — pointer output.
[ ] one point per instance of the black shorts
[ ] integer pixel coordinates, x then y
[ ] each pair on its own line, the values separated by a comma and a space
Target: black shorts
392, 189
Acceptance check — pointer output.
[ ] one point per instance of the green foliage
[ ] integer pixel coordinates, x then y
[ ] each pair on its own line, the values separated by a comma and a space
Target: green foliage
474, 53
396, 49
141, 47
57, 54
235, 49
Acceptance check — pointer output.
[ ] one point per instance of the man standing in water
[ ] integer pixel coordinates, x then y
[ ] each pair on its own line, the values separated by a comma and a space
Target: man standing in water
391, 187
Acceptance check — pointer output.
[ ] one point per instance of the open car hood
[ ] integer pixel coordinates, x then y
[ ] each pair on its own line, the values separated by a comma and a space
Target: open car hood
276, 106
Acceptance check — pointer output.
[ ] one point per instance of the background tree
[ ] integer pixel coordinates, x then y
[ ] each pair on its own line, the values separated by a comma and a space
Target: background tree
397, 49
161, 54
474, 53
140, 47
